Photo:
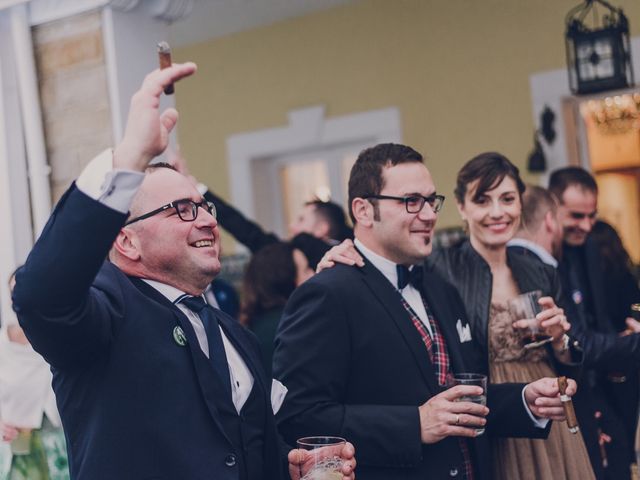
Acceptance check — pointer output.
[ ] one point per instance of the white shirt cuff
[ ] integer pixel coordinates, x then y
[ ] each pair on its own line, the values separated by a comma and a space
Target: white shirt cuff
537, 422
114, 188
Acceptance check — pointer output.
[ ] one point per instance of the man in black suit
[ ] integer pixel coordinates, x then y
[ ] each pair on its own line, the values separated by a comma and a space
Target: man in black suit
151, 382
540, 236
369, 356
613, 387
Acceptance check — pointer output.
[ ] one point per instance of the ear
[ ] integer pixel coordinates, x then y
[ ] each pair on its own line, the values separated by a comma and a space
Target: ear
126, 244
461, 211
549, 222
362, 211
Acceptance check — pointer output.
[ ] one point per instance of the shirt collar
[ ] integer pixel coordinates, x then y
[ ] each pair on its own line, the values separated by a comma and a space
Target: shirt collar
544, 256
173, 294
386, 266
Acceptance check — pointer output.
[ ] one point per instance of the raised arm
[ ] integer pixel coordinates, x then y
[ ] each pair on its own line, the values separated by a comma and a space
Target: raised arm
63, 317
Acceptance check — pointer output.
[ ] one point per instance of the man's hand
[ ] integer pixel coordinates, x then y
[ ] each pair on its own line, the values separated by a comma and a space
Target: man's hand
147, 132
345, 253
9, 433
301, 461
543, 398
445, 415
175, 158
633, 326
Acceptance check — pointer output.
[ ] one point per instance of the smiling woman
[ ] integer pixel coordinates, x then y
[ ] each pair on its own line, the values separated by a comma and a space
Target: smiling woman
488, 194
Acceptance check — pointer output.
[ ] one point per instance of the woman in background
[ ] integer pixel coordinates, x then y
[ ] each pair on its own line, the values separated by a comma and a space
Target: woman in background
34, 447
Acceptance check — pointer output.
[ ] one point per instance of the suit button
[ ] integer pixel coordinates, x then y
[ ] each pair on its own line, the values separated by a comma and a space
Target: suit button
453, 472
230, 460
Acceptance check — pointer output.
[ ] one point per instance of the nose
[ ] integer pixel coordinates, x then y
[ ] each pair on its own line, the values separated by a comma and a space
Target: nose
586, 224
206, 219
496, 210
427, 212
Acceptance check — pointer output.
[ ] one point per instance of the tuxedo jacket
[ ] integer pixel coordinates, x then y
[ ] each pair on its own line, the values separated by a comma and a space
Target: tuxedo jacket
136, 402
356, 367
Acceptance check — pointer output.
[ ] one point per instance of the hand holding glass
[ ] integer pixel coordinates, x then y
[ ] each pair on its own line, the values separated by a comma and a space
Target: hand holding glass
325, 462
525, 307
476, 380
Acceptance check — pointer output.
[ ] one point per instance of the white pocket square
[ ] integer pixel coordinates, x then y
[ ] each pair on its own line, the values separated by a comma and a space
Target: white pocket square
278, 392
463, 332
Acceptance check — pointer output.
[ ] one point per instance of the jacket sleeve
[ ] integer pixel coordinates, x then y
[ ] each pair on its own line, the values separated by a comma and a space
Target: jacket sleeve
312, 359
245, 231
64, 317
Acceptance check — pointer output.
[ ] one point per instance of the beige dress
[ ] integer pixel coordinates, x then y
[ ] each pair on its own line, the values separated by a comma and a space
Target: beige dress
563, 455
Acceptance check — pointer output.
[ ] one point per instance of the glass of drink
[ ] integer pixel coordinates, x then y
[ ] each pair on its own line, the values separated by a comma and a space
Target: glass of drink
21, 445
477, 380
526, 307
325, 462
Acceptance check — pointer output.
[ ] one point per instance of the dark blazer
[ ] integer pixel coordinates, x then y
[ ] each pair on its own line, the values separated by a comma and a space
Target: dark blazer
356, 367
135, 404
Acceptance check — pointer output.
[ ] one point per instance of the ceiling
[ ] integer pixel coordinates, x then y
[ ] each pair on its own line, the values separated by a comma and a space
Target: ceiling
216, 18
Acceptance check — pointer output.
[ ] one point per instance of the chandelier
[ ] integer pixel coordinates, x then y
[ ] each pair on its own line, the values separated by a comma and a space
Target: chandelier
615, 115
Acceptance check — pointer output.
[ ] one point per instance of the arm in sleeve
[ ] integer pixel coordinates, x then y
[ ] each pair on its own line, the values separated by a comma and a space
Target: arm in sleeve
312, 359
62, 315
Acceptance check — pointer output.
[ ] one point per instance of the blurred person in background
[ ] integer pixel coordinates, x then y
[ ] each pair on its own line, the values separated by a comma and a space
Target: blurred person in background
272, 274
34, 447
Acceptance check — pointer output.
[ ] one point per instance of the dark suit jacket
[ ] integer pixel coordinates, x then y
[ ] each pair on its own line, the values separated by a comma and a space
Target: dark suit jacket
356, 367
134, 403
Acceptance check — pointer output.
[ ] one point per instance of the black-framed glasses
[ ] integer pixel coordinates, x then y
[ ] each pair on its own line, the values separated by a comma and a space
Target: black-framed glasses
415, 203
186, 209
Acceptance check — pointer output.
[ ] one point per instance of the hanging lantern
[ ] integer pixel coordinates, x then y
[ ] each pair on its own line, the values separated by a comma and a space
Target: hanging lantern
598, 56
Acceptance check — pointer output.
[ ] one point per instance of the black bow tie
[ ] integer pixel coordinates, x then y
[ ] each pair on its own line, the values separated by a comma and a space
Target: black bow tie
406, 276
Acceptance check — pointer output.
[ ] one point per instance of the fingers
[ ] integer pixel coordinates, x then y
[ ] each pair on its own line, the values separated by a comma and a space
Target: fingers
169, 118
297, 456
454, 393
155, 82
633, 325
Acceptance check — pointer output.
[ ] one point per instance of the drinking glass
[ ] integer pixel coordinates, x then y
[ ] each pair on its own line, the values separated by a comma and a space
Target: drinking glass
526, 307
477, 380
21, 445
326, 463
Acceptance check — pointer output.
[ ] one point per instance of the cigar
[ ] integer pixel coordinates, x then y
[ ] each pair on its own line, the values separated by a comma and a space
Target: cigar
567, 404
164, 57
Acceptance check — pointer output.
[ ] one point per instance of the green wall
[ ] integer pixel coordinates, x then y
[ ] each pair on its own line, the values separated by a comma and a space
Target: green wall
458, 70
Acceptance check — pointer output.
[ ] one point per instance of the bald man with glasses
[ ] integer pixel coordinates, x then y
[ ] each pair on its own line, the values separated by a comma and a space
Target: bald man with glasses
151, 382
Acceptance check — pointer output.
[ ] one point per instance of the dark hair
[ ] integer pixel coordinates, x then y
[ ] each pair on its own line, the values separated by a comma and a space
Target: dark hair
614, 257
366, 175
536, 202
268, 281
490, 168
566, 177
333, 214
155, 165
312, 247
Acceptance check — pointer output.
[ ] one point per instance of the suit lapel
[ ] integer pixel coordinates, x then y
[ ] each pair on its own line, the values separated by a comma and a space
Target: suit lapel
234, 332
207, 379
391, 302
436, 299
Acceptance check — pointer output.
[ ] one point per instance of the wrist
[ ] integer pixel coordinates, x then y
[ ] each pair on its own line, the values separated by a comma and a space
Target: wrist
561, 345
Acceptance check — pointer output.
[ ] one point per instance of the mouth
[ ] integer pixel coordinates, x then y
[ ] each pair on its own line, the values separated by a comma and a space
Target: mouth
203, 244
498, 227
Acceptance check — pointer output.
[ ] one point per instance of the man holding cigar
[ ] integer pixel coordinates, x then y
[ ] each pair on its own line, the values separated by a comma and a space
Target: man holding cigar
151, 382
369, 353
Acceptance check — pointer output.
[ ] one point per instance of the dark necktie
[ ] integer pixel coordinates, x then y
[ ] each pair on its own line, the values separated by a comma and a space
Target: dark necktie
406, 277
217, 355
